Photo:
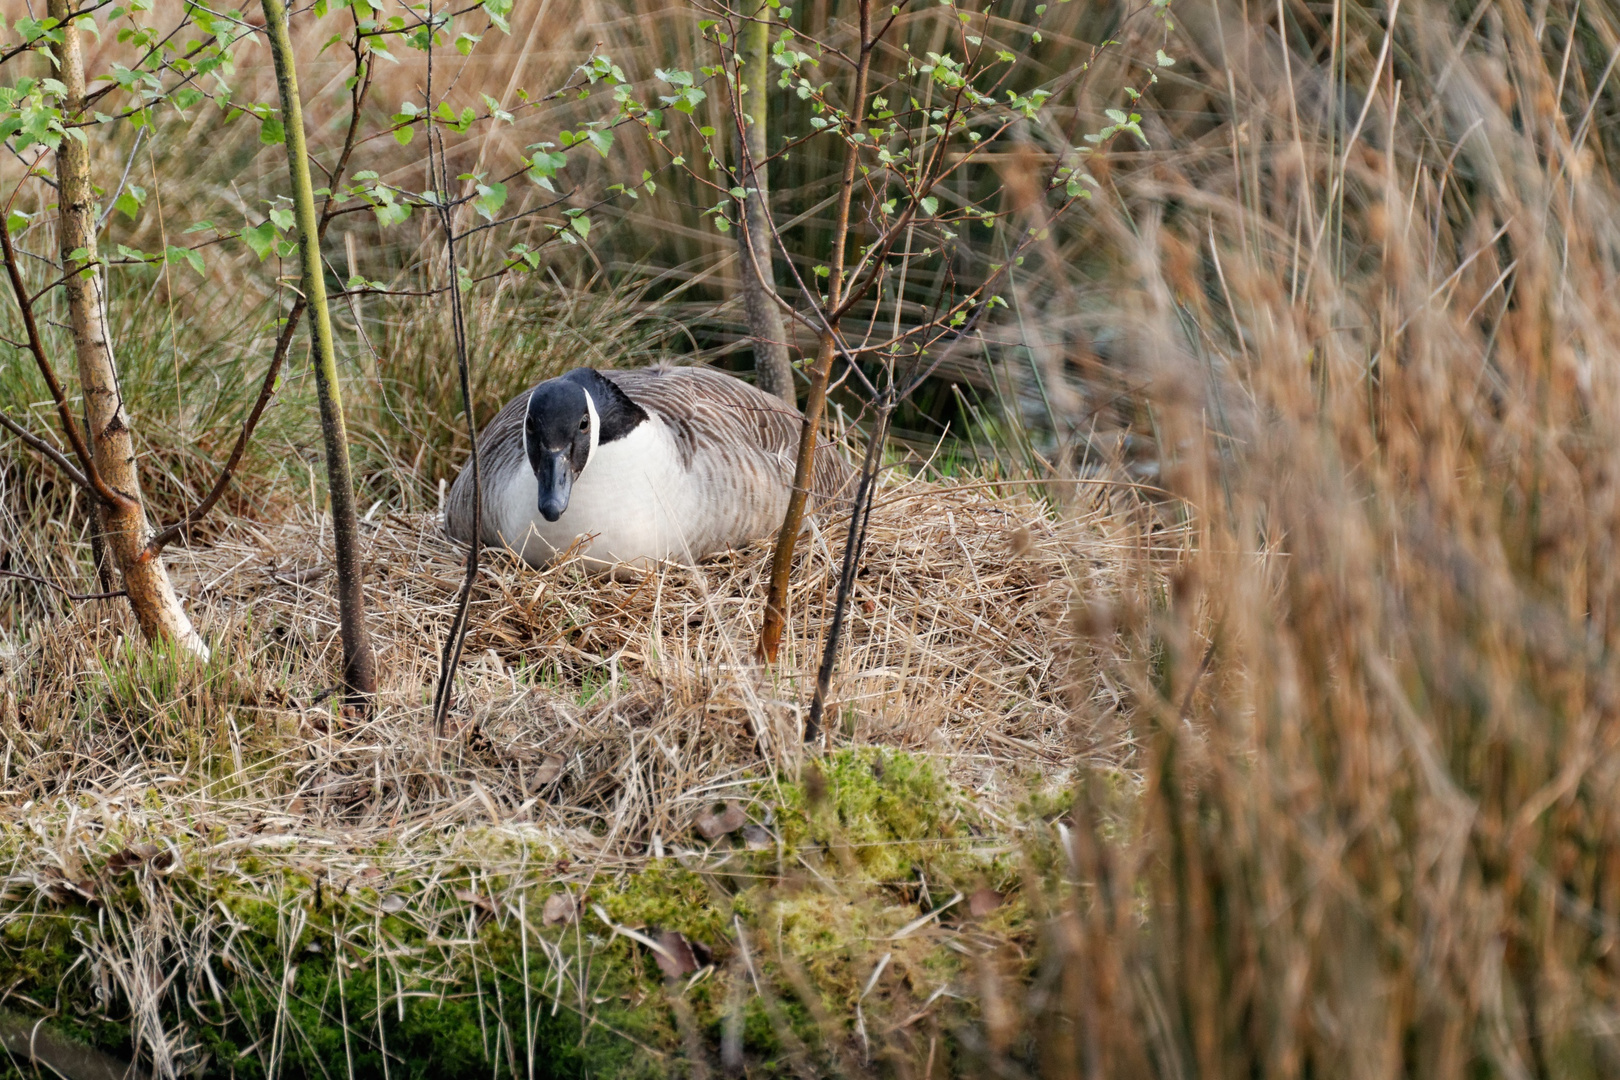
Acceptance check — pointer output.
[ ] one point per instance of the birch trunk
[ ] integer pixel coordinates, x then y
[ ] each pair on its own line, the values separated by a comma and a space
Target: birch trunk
112, 444
773, 372
359, 666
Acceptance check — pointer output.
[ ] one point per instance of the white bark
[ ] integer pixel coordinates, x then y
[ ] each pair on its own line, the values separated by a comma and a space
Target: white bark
151, 596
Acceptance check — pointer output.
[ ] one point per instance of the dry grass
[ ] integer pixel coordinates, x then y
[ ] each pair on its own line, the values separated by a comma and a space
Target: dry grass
596, 721
1366, 277
1357, 301
957, 647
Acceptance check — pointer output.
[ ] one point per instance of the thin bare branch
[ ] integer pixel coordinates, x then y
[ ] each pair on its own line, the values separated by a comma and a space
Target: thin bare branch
36, 346
56, 456
64, 591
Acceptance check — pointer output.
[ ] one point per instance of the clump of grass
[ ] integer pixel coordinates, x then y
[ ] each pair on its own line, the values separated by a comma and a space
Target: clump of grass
374, 958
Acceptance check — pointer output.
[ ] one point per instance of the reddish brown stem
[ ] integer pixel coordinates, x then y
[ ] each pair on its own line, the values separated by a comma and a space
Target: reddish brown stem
51, 453
267, 389
770, 635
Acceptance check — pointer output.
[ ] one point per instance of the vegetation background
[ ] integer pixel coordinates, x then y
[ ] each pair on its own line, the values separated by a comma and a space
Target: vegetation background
1341, 779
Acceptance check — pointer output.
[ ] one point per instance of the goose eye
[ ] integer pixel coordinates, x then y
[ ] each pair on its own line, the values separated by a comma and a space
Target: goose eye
584, 423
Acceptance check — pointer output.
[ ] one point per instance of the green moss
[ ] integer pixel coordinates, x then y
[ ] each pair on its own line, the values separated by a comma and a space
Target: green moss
893, 813
302, 982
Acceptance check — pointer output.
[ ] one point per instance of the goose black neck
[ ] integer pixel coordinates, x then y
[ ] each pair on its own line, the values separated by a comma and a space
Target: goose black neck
616, 413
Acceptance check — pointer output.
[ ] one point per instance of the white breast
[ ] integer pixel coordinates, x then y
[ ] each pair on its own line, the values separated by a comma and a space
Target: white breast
629, 505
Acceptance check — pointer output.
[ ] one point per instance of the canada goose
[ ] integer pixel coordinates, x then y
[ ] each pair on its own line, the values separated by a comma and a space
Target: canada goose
636, 467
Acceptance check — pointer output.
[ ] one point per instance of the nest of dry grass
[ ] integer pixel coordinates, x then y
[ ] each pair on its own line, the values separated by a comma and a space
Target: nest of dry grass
610, 710
204, 818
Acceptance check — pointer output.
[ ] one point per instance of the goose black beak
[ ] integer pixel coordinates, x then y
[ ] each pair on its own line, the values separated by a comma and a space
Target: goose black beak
556, 476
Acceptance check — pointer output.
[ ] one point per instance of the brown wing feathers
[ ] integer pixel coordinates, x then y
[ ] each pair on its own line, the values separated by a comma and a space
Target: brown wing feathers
709, 412
710, 408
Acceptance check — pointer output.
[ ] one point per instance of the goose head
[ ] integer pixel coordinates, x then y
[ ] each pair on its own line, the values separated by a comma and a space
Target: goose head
567, 419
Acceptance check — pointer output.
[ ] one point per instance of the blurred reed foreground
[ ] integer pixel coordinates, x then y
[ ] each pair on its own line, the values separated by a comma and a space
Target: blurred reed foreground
1347, 799
1366, 278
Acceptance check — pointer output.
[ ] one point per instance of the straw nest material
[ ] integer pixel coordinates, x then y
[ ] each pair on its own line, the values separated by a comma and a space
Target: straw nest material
615, 710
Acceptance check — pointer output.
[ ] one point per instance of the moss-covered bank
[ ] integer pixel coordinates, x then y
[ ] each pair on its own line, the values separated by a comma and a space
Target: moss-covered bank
218, 952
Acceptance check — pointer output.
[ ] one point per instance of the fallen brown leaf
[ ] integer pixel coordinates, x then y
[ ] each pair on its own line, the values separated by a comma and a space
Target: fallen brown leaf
120, 862
983, 901
62, 889
713, 826
677, 958
545, 773
560, 907
758, 838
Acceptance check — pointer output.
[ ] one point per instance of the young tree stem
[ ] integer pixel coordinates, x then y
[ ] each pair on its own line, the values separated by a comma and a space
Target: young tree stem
773, 371
770, 636
110, 466
860, 513
359, 666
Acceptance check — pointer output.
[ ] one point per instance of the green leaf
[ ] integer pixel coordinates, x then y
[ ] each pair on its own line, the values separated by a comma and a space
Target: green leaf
78, 254
1164, 60
582, 225
491, 197
404, 135
545, 165
929, 204
201, 226
260, 238
602, 140
191, 258
283, 218
465, 43
498, 10
128, 203
271, 131
391, 213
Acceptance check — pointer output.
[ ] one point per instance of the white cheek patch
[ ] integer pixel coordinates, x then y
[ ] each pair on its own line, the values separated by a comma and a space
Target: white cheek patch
527, 459
596, 430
